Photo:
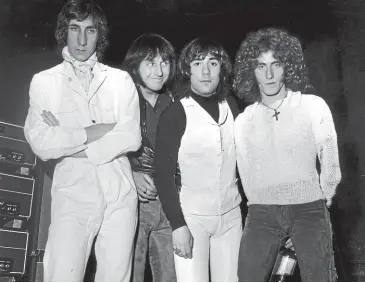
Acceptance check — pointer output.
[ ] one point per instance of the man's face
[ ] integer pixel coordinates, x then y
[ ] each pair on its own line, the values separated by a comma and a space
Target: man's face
269, 75
82, 38
154, 73
204, 76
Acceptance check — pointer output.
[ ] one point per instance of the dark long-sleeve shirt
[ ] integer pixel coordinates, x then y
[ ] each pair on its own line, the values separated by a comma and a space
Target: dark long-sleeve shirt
143, 159
171, 128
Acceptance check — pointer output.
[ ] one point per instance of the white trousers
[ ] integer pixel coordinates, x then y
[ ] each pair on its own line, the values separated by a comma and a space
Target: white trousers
216, 247
78, 215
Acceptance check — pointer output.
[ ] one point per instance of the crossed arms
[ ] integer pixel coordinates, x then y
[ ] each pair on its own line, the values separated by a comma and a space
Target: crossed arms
93, 132
99, 143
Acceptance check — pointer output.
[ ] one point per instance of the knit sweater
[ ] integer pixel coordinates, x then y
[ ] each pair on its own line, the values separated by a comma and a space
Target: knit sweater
277, 158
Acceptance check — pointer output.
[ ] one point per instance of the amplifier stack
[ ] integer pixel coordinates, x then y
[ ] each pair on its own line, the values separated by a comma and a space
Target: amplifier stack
20, 185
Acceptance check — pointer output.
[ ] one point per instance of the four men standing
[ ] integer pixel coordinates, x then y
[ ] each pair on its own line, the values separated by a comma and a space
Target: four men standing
92, 118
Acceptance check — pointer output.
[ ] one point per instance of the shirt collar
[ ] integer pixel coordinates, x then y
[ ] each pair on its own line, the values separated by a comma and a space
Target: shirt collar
293, 99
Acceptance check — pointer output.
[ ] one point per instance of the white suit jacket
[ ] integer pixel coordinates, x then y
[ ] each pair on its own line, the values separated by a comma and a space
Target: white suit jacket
112, 98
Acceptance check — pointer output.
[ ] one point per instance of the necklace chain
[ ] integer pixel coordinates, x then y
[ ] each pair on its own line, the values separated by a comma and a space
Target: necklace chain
276, 114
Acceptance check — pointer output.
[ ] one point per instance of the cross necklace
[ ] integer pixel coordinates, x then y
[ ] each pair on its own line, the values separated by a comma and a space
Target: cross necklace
276, 114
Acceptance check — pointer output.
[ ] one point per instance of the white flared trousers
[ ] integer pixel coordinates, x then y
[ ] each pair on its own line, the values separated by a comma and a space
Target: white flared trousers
216, 247
80, 215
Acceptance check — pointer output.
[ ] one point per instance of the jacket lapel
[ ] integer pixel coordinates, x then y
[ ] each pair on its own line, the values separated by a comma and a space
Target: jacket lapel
70, 79
73, 83
223, 112
99, 72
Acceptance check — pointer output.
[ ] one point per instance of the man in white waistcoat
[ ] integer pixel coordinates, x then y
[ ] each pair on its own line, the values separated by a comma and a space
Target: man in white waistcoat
196, 132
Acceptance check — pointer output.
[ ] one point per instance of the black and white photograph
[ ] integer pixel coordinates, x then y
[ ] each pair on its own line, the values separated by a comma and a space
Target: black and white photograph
182, 141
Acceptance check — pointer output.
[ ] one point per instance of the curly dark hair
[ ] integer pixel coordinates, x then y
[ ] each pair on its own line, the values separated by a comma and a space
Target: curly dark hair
285, 47
201, 47
81, 10
146, 47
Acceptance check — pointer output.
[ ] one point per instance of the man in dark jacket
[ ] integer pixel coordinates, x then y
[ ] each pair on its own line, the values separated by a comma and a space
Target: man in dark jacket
151, 62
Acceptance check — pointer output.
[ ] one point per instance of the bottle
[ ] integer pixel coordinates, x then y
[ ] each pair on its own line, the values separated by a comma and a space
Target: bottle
284, 266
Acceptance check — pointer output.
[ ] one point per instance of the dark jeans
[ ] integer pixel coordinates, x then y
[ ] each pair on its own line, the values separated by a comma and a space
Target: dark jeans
154, 239
268, 227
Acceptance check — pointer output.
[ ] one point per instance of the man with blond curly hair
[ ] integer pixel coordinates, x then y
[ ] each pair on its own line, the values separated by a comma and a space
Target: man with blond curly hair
278, 141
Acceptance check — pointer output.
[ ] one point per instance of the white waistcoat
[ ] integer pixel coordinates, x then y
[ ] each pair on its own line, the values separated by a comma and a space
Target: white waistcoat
207, 161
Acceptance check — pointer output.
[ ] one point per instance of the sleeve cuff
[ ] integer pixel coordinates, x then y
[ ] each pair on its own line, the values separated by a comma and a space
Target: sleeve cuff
178, 223
81, 133
93, 155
